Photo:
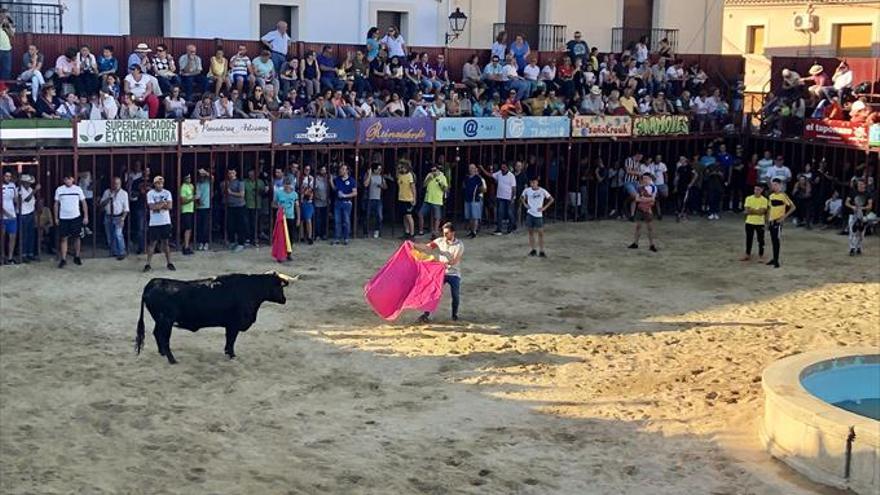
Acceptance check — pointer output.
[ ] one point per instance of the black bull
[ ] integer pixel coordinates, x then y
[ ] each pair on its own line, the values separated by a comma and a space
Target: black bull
228, 301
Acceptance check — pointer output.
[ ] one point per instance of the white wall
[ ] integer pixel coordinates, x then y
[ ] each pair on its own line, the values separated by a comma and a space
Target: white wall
346, 21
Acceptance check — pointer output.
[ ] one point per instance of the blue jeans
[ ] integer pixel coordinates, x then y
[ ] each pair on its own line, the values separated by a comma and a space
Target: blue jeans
504, 210
332, 83
5, 65
187, 82
454, 282
28, 235
115, 238
342, 220
278, 60
374, 210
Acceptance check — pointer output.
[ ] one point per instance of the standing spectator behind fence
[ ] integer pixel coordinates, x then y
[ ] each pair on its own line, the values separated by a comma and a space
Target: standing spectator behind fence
137, 191
9, 227
435, 185
345, 187
116, 208
71, 216
505, 192
187, 196
375, 183
203, 210
236, 217
27, 194
278, 42
322, 198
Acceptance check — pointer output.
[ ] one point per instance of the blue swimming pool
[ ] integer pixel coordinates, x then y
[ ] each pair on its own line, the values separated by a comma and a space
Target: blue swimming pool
851, 383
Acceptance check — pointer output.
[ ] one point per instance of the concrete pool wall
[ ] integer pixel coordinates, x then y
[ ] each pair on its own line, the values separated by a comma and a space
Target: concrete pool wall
814, 437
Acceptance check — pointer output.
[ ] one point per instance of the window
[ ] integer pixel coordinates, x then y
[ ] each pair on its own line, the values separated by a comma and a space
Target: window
386, 18
853, 40
271, 14
146, 17
755, 40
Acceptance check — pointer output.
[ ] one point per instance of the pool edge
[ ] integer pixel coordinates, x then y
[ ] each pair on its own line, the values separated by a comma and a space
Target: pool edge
810, 435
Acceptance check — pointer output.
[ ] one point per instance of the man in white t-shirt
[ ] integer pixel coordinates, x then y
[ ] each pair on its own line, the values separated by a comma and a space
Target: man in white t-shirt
159, 231
505, 194
536, 200
659, 171
779, 171
764, 164
9, 227
71, 216
448, 251
27, 194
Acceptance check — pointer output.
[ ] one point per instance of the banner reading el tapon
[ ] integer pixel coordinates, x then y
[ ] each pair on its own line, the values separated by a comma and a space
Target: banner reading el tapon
106, 133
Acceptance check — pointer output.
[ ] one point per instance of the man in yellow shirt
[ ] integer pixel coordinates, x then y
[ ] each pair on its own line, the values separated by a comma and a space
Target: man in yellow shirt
406, 196
781, 206
756, 207
435, 190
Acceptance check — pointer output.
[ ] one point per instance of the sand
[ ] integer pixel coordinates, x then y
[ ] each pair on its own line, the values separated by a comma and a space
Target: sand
598, 370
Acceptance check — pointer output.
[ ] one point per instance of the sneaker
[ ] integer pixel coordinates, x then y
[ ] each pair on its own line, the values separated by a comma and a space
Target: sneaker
542, 255
633, 246
652, 248
120, 257
310, 242
858, 251
497, 232
375, 234
171, 267
773, 263
62, 263
404, 237
77, 260
421, 233
454, 317
147, 268
533, 253
239, 248
289, 258
424, 319
472, 235
345, 242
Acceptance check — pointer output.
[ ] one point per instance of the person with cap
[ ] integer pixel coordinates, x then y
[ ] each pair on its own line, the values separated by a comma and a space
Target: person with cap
187, 195
756, 208
71, 215
203, 209
536, 200
159, 201
27, 194
140, 57
593, 103
781, 206
9, 227
116, 209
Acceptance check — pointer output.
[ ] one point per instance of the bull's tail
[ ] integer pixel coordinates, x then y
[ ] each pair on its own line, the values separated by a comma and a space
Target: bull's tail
139, 340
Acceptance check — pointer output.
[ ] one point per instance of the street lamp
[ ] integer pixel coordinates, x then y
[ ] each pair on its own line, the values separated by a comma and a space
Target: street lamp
457, 21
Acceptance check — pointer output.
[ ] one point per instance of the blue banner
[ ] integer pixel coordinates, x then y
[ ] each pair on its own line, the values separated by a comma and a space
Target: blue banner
537, 127
314, 131
470, 129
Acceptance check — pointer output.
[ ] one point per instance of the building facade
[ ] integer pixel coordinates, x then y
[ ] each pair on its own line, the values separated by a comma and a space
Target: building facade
694, 26
761, 29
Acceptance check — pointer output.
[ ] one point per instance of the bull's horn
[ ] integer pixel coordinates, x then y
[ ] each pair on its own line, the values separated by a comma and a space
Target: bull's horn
288, 278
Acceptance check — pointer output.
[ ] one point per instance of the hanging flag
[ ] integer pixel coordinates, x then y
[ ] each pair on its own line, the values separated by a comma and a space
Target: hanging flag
409, 280
280, 239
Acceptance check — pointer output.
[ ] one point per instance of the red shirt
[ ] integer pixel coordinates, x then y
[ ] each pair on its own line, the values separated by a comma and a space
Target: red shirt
564, 72
751, 174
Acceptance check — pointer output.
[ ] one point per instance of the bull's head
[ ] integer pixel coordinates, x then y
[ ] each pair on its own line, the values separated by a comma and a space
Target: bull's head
276, 293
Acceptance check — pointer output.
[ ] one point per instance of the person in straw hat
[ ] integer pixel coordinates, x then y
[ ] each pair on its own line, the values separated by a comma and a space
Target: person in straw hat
140, 57
819, 79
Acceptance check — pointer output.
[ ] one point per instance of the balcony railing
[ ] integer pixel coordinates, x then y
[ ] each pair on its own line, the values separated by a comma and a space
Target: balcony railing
541, 37
35, 17
623, 38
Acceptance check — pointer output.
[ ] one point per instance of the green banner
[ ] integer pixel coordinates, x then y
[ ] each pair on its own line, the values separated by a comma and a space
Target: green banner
661, 125
36, 133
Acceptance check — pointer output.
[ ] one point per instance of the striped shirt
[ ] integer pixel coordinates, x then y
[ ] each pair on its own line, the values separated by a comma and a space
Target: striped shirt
633, 170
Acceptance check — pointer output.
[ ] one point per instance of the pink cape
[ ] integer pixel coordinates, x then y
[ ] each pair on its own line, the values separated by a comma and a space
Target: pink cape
405, 282
280, 239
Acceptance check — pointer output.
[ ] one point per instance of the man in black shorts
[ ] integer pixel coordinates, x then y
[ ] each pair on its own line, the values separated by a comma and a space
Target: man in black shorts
159, 231
646, 195
71, 215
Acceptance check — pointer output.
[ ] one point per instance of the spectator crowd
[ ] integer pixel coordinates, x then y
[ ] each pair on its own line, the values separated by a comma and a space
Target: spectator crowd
382, 78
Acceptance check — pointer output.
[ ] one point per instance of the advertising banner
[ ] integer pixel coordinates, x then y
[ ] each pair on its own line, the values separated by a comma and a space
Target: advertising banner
661, 125
227, 131
106, 133
389, 130
837, 131
583, 126
306, 130
537, 127
32, 133
470, 129
874, 135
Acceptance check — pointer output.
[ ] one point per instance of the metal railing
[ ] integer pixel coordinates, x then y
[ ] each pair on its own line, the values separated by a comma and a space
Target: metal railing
623, 38
30, 17
543, 37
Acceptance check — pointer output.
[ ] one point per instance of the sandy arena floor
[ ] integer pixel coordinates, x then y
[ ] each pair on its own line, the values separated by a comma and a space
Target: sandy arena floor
597, 371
